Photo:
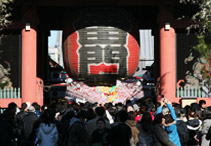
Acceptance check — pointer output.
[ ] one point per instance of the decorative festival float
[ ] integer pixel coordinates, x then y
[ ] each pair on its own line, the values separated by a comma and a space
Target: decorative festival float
101, 53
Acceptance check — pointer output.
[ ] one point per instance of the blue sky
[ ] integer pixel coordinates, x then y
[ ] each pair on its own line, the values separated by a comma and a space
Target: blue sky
52, 42
52, 38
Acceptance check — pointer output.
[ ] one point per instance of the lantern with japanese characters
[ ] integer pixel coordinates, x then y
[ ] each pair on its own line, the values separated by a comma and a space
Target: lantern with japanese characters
100, 44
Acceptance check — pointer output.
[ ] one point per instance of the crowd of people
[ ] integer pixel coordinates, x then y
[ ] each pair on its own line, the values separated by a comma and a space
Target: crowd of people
135, 123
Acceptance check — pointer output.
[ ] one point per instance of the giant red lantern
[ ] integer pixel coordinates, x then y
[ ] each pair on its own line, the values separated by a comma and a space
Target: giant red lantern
100, 44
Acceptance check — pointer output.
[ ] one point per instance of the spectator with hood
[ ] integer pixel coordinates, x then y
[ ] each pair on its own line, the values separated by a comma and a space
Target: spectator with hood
47, 132
193, 125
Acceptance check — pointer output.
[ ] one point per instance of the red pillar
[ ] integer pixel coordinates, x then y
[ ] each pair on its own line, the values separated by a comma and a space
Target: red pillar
168, 64
29, 46
167, 57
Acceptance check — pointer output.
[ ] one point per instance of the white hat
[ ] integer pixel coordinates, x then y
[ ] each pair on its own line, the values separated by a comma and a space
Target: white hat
135, 107
165, 110
31, 109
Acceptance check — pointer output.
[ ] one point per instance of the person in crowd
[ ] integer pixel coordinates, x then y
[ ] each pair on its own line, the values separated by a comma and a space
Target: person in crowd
120, 134
6, 131
47, 134
37, 109
151, 109
202, 108
91, 124
160, 136
142, 109
90, 114
145, 130
28, 121
132, 124
182, 128
110, 112
19, 122
43, 108
208, 136
10, 112
99, 136
202, 105
78, 135
206, 124
193, 125
170, 120
194, 107
23, 111
63, 127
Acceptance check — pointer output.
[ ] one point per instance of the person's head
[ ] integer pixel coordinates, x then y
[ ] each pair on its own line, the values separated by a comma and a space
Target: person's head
165, 110
122, 116
159, 119
135, 107
68, 116
130, 108
90, 114
12, 107
143, 107
131, 115
128, 103
147, 118
36, 106
150, 107
49, 116
202, 104
100, 123
44, 107
100, 111
24, 106
177, 111
207, 113
31, 109
192, 114
146, 121
82, 115
194, 107
168, 119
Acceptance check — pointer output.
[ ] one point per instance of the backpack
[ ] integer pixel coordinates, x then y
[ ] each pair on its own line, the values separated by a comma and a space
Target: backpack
183, 132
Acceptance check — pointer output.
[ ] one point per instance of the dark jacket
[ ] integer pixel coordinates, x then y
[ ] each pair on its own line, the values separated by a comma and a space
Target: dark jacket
193, 127
208, 135
183, 132
6, 132
21, 114
120, 135
28, 121
77, 133
161, 137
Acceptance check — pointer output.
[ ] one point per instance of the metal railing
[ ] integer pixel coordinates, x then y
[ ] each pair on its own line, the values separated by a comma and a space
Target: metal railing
191, 92
7, 93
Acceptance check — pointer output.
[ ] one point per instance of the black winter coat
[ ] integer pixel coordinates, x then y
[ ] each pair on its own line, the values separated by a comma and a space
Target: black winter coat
160, 136
28, 121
